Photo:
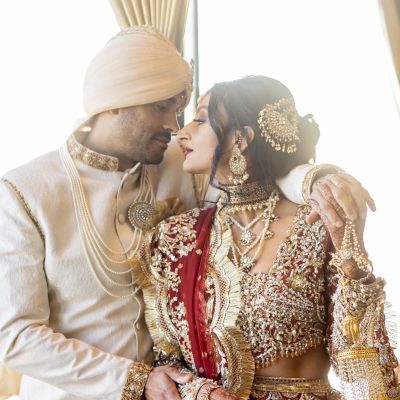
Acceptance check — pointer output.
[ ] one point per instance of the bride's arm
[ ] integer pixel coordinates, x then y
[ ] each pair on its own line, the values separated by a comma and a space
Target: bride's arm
358, 341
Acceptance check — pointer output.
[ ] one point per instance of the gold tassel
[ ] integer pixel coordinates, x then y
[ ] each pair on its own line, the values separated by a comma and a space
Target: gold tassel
351, 329
360, 374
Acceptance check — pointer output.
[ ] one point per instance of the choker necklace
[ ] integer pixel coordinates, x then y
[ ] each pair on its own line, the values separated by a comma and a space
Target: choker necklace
249, 196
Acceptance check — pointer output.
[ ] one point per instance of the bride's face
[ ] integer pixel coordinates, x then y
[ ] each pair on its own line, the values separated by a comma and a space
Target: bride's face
198, 140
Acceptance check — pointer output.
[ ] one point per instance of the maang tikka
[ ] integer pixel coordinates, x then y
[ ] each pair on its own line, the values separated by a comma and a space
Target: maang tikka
237, 165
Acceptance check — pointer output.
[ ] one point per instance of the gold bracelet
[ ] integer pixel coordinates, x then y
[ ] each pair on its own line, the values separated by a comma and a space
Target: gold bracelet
313, 174
136, 381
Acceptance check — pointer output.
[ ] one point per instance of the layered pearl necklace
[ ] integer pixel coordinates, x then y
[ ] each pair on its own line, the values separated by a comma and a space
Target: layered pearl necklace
99, 255
253, 196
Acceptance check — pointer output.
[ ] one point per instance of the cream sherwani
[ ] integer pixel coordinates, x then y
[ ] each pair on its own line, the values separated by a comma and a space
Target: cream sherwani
68, 337
57, 326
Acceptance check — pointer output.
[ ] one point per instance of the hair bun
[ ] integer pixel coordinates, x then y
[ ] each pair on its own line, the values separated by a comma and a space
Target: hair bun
308, 129
308, 133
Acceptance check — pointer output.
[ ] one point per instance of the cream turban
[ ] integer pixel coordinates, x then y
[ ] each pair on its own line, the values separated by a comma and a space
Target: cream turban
137, 66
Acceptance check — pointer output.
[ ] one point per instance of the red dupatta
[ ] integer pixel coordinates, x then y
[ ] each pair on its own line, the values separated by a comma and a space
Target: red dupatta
192, 272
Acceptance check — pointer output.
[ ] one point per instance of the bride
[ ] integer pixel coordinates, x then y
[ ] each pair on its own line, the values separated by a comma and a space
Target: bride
253, 300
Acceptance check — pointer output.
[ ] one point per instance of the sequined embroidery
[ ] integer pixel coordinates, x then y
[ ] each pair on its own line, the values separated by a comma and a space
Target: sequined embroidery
283, 312
90, 157
176, 237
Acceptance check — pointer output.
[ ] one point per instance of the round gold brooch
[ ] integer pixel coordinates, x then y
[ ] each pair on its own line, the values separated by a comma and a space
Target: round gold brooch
142, 215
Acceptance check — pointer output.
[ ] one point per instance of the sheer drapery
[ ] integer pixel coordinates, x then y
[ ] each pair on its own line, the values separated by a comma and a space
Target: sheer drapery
391, 20
168, 16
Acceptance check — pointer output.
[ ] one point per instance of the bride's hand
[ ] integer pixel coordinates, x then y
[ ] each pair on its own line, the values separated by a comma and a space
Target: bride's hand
336, 233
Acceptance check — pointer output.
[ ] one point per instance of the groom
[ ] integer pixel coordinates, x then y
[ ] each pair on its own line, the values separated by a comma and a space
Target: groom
71, 221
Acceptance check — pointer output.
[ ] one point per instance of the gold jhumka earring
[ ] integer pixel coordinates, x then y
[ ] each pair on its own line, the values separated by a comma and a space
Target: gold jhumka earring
237, 165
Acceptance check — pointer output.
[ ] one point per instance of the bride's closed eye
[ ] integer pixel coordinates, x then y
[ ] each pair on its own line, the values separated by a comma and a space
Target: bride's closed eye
199, 121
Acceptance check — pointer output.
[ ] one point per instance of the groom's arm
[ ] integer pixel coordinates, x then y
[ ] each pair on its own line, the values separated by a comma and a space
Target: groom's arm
329, 190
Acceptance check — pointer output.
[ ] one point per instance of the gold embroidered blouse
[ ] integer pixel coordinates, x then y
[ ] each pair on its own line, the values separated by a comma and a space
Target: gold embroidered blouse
283, 312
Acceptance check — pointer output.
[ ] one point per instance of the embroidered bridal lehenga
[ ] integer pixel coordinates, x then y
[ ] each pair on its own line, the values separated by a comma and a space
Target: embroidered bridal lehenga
209, 313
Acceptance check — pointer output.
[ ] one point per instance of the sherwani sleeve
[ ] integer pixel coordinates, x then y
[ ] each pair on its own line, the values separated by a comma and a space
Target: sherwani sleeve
297, 184
27, 343
291, 184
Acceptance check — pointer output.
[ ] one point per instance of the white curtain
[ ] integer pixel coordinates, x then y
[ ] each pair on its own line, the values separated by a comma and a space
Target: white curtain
168, 16
391, 20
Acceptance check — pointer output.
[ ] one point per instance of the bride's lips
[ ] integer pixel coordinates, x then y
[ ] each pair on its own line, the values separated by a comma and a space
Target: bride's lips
187, 151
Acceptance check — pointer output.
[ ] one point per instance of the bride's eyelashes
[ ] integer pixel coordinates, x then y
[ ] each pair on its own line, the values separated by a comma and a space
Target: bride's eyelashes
199, 121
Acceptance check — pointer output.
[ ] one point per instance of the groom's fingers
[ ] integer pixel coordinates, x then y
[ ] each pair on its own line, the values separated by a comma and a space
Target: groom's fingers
312, 217
178, 376
161, 383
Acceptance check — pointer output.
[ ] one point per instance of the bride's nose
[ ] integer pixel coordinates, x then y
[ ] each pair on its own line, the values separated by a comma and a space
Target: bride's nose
183, 134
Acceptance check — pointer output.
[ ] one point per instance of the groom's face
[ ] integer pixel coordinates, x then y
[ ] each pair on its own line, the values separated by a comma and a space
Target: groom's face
145, 131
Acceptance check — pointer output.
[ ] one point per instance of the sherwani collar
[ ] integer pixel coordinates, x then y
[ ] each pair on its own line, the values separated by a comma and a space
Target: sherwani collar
90, 157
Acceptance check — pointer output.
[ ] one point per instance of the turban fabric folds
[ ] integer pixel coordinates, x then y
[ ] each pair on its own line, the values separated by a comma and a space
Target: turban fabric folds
137, 66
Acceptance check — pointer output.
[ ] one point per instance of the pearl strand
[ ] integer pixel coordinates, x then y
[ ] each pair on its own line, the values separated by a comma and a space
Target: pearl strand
93, 244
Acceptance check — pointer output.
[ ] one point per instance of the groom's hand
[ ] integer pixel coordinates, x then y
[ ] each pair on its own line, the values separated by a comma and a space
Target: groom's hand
161, 384
337, 196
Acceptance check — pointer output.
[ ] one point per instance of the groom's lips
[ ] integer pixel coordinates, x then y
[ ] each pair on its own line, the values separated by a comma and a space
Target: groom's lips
163, 140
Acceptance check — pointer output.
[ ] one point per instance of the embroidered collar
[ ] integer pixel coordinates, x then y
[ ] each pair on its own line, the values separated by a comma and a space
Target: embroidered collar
79, 152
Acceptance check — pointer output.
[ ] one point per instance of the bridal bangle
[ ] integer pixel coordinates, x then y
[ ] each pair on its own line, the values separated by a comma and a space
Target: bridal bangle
315, 173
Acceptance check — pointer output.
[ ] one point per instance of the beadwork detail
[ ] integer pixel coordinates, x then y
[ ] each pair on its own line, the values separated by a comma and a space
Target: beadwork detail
90, 157
136, 381
281, 311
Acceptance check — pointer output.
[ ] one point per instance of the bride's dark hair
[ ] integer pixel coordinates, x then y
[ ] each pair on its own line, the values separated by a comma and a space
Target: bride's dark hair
242, 100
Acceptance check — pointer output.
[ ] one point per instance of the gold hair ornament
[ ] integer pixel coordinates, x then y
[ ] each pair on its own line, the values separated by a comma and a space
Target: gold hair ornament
279, 124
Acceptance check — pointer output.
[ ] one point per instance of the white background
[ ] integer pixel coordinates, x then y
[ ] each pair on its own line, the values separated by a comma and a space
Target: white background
332, 55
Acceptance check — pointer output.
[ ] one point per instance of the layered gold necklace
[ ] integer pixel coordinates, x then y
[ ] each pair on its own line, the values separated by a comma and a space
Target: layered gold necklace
102, 259
247, 197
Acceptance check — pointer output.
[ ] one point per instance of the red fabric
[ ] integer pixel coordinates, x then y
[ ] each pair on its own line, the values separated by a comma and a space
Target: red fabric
192, 271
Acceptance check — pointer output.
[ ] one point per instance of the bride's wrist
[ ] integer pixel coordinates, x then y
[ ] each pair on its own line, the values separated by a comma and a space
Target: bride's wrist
350, 269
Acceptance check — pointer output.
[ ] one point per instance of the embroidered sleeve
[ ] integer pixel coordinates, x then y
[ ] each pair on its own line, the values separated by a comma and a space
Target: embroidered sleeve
155, 273
152, 273
358, 341
136, 381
